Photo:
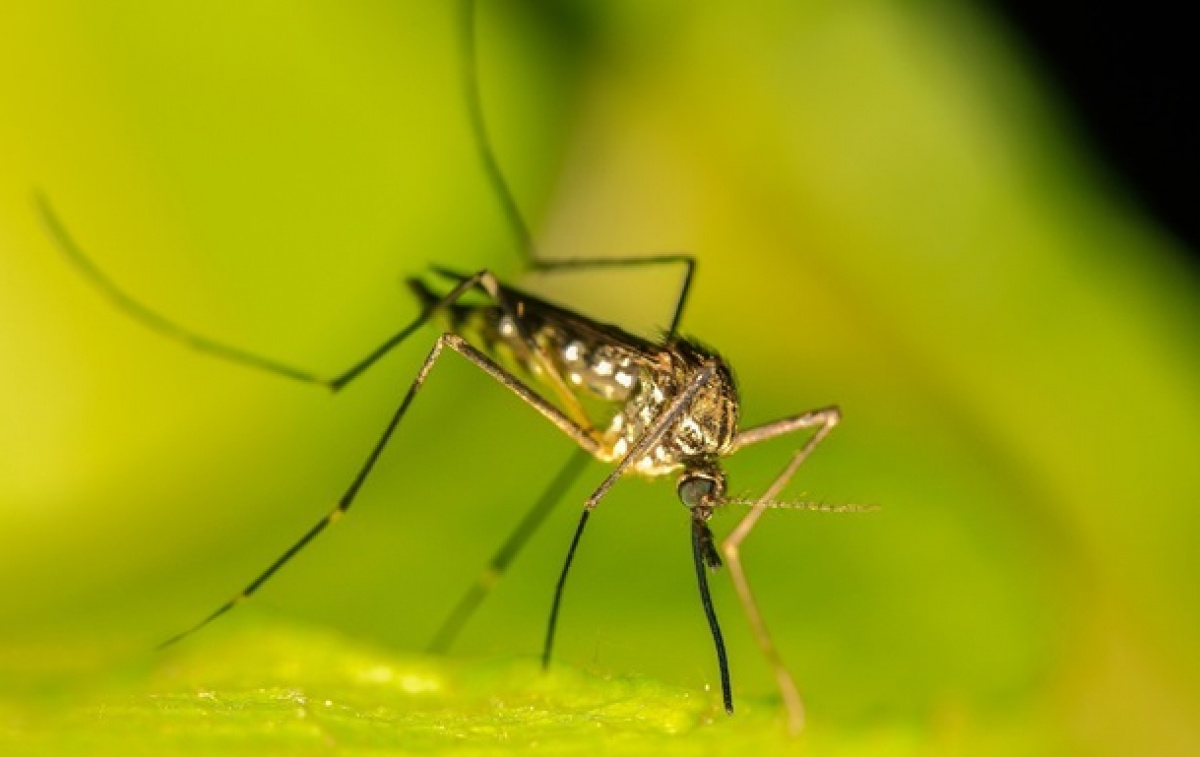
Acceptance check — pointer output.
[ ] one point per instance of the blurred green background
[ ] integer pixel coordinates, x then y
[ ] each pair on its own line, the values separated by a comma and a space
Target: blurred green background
890, 213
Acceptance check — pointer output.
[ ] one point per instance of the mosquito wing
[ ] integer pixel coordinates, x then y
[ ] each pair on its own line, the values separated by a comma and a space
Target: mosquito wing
599, 366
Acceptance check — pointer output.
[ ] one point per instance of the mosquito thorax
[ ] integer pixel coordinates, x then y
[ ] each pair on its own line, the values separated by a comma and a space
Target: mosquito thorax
703, 429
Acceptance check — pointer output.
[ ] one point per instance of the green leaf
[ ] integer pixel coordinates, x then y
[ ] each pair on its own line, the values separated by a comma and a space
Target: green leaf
281, 690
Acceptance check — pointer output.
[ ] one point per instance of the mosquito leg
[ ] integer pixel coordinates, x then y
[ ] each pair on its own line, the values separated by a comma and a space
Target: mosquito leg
552, 624
464, 285
483, 143
824, 420
826, 416
150, 318
499, 563
687, 261
637, 452
168, 328
343, 505
457, 344
468, 42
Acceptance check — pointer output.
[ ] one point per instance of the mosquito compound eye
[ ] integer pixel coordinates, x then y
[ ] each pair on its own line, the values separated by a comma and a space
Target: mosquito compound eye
695, 491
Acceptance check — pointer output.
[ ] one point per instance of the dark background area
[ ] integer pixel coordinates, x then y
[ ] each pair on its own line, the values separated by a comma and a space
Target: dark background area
1128, 73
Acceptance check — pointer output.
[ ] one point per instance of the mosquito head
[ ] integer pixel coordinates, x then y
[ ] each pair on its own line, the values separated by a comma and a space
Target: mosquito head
701, 489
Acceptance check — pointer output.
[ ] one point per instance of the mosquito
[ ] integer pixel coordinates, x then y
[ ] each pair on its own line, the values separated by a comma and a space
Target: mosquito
667, 407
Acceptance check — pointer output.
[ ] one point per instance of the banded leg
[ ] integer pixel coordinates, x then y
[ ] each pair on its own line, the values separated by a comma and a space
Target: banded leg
579, 435
823, 420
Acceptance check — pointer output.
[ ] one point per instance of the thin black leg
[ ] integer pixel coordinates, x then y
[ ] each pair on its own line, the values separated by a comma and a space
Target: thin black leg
481, 361
548, 646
